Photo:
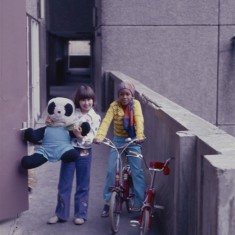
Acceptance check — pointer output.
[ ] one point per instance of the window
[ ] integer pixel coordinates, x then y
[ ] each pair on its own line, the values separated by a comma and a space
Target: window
79, 55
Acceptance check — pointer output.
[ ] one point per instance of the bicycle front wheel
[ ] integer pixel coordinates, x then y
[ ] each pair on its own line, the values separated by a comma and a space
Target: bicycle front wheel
144, 226
115, 210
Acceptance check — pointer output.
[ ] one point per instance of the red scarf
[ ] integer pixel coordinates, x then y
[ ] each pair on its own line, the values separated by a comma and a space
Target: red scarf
128, 120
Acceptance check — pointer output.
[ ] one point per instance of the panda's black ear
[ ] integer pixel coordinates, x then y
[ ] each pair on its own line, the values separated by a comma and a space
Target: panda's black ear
68, 110
51, 108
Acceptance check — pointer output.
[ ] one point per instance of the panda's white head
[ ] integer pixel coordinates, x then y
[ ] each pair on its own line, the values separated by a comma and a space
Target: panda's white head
61, 111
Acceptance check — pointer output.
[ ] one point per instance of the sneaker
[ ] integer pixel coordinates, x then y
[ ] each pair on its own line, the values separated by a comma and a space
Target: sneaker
55, 219
105, 212
79, 221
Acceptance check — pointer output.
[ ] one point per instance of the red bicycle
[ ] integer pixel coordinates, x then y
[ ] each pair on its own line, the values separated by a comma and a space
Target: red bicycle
149, 205
122, 191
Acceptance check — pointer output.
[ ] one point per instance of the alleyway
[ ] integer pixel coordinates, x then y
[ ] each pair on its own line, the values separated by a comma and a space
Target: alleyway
42, 200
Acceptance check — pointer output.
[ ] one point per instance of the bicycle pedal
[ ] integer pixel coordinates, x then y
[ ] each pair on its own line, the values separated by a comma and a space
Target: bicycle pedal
134, 223
159, 207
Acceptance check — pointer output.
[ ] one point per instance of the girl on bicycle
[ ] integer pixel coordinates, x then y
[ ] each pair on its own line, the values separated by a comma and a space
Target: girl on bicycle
84, 102
128, 121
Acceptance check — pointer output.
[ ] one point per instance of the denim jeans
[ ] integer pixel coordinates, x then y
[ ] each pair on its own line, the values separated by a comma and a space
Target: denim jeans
136, 172
82, 166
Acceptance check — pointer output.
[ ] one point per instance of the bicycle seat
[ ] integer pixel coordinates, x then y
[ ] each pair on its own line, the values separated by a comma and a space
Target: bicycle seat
160, 166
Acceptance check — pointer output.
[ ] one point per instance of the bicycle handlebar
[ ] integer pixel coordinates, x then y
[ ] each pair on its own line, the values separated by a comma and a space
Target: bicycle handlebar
109, 143
130, 141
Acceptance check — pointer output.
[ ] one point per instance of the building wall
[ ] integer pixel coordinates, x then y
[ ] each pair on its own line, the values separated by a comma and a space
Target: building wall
70, 16
34, 11
181, 49
13, 101
32, 8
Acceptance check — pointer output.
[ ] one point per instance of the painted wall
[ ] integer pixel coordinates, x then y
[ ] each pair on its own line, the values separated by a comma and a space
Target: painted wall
181, 49
13, 101
14, 76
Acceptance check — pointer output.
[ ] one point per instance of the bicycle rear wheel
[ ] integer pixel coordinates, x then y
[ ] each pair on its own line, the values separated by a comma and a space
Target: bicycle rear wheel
144, 226
115, 210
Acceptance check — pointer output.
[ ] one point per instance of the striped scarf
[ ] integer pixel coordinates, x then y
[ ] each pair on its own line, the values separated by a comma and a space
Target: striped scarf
128, 120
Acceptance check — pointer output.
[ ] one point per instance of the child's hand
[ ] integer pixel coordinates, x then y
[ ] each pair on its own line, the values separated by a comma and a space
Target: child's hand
48, 121
96, 141
77, 131
140, 141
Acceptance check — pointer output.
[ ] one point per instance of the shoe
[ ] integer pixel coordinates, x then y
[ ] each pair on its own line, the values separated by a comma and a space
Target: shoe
55, 219
105, 212
79, 221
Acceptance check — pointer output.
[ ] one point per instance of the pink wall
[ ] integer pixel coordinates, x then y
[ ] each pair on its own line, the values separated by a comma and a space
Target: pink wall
13, 100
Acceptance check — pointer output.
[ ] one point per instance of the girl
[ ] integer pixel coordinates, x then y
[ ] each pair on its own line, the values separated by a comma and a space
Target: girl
84, 102
128, 121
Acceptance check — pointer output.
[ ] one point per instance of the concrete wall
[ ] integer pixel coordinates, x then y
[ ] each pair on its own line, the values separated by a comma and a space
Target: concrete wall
198, 195
181, 49
70, 17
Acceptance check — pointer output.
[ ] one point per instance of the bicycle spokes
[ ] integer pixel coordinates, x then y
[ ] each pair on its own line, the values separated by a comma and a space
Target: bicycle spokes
145, 221
115, 210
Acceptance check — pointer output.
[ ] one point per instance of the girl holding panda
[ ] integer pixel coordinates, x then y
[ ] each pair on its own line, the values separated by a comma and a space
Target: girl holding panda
84, 103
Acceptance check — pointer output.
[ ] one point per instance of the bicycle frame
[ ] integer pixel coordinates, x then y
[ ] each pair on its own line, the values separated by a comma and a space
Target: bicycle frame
121, 172
121, 191
145, 220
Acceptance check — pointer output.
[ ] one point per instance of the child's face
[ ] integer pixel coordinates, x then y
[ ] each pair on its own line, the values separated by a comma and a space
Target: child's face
86, 105
125, 96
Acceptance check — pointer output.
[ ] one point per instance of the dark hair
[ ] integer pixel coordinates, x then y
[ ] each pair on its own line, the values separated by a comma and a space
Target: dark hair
84, 92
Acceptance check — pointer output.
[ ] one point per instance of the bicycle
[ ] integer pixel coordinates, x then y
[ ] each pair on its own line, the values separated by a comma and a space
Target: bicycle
148, 207
122, 191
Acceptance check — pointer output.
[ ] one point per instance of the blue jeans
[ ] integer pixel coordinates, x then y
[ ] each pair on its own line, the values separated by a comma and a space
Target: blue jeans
82, 166
136, 172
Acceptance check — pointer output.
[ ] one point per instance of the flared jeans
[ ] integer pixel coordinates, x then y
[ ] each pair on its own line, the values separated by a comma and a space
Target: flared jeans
136, 172
83, 167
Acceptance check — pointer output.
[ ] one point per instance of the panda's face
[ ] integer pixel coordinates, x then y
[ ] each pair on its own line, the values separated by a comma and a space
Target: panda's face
60, 110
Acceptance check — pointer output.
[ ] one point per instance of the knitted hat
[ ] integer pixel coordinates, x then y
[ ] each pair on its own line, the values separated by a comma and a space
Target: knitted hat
126, 85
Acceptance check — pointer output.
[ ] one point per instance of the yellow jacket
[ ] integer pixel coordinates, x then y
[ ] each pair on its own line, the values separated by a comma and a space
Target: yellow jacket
115, 113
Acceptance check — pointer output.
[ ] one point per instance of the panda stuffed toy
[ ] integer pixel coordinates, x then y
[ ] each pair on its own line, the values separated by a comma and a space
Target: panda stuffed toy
55, 137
